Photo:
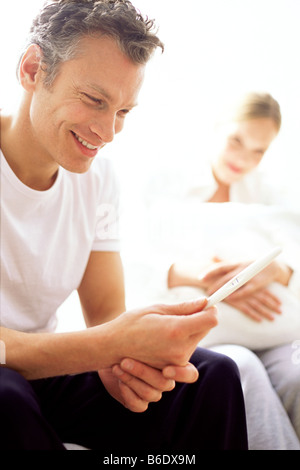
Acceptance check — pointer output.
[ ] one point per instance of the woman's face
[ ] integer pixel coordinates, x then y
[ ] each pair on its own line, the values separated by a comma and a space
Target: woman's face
242, 148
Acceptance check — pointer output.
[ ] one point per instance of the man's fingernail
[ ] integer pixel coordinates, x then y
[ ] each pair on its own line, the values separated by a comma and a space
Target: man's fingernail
127, 364
117, 371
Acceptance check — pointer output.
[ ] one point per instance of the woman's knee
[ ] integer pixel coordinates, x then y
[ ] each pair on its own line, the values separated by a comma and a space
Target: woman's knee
248, 363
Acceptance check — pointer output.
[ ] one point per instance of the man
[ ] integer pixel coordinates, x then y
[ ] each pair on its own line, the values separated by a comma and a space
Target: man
81, 73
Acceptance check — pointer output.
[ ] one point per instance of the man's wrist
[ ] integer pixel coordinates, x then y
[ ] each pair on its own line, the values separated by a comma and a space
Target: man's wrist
41, 355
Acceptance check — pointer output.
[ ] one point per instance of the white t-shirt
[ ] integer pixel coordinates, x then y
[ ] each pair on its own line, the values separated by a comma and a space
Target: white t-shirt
254, 188
47, 237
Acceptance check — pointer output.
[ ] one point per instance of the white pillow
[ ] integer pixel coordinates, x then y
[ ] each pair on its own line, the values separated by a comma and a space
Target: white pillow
233, 232
235, 327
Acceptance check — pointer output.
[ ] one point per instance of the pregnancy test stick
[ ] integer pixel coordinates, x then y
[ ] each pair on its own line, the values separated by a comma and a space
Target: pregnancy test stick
243, 277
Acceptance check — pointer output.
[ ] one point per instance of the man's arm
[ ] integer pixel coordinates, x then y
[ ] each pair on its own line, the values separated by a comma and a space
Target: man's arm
102, 292
37, 355
155, 337
158, 336
102, 297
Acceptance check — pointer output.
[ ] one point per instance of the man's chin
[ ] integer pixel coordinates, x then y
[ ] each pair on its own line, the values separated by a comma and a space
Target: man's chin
79, 168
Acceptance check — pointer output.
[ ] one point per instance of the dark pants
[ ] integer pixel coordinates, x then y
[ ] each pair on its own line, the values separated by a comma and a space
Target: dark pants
42, 414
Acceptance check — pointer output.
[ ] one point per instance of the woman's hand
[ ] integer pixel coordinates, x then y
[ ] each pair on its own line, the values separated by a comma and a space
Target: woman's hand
253, 299
223, 272
259, 305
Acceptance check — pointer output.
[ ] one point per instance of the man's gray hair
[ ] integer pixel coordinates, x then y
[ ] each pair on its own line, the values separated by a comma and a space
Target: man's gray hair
60, 25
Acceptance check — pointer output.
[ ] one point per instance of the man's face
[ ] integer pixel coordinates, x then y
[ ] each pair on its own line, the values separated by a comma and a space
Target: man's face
86, 104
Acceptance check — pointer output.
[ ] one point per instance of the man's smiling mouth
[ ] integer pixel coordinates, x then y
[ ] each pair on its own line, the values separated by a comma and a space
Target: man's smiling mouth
84, 142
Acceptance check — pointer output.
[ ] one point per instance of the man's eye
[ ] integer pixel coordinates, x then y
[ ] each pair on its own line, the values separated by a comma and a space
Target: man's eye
97, 101
123, 112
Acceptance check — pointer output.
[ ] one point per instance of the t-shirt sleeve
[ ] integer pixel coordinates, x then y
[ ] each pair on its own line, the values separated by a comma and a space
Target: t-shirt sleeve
107, 231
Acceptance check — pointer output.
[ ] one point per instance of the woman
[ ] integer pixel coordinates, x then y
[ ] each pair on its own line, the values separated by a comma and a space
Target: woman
270, 379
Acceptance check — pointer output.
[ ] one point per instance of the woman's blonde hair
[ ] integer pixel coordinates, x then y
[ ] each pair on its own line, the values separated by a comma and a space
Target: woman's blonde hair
255, 105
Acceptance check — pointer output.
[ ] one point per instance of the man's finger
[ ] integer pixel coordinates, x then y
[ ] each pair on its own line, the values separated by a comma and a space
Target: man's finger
198, 325
131, 368
141, 391
186, 374
188, 307
131, 400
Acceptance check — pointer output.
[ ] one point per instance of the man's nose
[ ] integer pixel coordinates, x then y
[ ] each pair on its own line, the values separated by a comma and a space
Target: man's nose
104, 127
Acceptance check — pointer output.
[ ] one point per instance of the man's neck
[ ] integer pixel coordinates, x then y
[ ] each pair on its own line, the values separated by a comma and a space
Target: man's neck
22, 154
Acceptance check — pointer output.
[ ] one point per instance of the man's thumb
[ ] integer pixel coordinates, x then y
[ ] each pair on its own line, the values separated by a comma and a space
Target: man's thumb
187, 307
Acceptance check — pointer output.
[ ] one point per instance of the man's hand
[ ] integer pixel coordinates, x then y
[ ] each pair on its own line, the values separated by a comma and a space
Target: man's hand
135, 384
160, 335
154, 346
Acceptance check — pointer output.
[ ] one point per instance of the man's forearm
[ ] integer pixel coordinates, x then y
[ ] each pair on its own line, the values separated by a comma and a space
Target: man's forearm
158, 335
38, 355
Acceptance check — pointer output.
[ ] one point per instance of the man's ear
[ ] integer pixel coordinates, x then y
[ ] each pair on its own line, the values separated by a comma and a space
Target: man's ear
30, 67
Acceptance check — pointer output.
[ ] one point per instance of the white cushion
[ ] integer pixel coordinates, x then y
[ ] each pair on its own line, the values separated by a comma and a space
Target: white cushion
236, 328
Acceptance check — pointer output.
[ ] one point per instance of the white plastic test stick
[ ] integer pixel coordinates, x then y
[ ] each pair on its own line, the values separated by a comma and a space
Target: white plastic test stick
243, 277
